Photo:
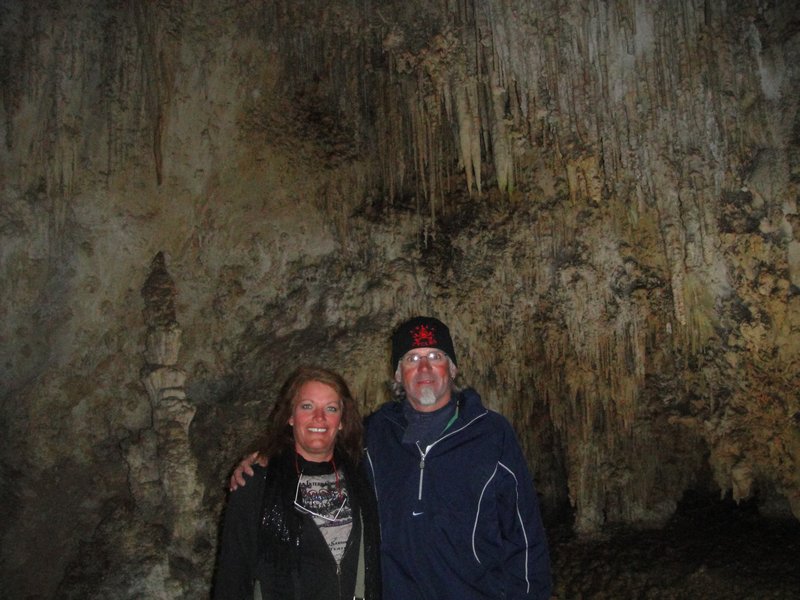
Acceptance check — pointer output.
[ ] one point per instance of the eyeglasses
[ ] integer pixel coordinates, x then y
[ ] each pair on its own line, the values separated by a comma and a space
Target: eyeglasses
434, 357
299, 506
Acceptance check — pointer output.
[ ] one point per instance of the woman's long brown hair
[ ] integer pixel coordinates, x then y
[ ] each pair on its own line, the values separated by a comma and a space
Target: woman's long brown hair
279, 436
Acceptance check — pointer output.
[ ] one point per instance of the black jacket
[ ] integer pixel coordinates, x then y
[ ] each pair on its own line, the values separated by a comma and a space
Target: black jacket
265, 539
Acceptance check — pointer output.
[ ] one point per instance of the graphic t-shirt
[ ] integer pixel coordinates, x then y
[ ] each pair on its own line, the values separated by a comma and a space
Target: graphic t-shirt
329, 506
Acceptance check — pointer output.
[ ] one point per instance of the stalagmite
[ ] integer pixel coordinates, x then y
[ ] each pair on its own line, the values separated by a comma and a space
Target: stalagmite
172, 413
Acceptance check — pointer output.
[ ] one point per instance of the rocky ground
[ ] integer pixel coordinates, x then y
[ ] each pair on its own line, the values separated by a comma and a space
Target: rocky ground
709, 550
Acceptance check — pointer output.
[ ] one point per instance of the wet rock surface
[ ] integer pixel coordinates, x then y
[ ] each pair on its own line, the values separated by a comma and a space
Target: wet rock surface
711, 549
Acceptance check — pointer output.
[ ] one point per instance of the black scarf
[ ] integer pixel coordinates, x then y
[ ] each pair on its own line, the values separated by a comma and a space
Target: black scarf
281, 525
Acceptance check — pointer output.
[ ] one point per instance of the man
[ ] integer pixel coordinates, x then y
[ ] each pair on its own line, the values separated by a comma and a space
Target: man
458, 512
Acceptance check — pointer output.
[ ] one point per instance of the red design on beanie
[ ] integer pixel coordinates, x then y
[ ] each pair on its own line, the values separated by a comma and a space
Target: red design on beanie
423, 337
421, 332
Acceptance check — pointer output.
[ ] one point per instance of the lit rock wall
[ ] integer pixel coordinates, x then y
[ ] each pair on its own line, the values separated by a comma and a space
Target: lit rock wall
600, 198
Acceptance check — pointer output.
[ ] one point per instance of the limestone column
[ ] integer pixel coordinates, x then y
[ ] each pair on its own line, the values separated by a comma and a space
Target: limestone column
172, 413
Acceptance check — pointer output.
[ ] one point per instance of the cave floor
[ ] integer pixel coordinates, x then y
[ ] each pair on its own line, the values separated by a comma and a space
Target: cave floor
709, 550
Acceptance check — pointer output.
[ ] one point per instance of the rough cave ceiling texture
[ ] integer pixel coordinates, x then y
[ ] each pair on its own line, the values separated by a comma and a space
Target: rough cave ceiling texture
599, 197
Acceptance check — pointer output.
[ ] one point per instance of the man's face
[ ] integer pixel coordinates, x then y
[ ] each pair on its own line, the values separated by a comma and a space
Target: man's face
426, 382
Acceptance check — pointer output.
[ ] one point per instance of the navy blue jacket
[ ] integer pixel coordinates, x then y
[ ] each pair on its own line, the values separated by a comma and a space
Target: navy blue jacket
459, 519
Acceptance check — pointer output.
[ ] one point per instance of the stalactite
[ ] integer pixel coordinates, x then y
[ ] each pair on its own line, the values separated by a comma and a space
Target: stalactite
501, 144
469, 139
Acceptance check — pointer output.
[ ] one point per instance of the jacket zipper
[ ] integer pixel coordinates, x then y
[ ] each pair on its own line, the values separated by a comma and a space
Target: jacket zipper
422, 468
428, 449
348, 547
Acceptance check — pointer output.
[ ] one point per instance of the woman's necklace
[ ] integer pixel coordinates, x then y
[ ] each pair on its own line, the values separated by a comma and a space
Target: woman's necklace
335, 473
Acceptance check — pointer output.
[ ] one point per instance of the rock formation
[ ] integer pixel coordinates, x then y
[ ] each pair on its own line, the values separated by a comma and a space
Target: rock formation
600, 198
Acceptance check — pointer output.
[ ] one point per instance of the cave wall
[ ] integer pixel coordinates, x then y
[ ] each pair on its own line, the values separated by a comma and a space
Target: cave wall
600, 198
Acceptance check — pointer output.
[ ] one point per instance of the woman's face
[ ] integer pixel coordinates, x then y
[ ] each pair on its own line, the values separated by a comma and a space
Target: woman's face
316, 420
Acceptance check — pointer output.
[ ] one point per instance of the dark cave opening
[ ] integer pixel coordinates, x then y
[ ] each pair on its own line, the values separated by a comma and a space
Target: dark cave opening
712, 547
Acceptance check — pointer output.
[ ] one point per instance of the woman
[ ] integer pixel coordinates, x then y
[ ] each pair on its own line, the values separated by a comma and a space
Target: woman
308, 528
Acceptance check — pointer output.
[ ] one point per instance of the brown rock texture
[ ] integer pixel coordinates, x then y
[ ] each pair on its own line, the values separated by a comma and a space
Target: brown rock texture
599, 198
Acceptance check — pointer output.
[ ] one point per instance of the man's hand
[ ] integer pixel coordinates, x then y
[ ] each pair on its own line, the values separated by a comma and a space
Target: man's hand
245, 468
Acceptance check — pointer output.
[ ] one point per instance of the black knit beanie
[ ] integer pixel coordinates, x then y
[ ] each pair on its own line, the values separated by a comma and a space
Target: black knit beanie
421, 332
